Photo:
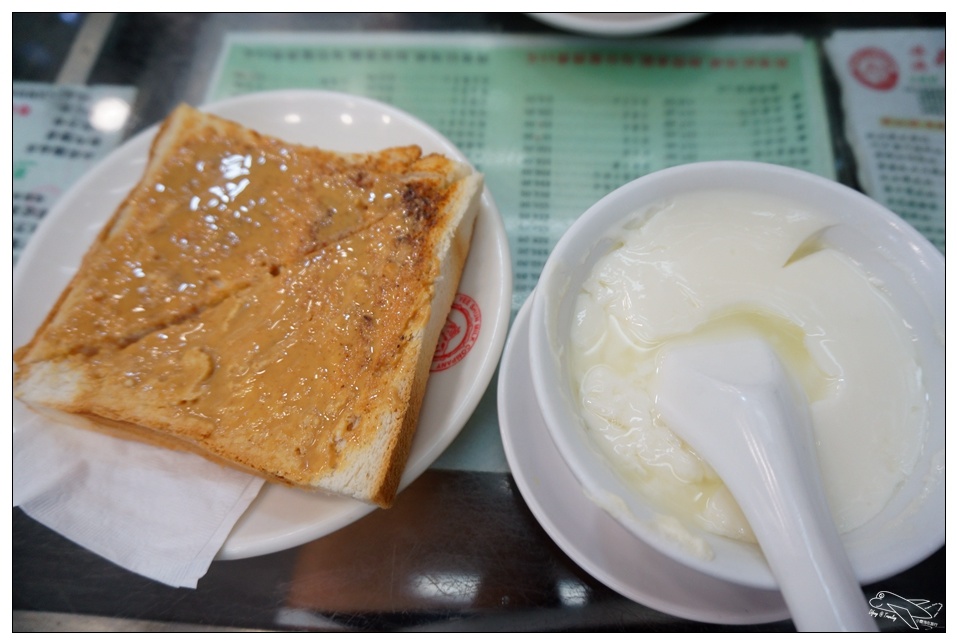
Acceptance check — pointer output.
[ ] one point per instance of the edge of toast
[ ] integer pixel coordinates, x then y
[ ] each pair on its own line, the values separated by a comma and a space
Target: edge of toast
53, 387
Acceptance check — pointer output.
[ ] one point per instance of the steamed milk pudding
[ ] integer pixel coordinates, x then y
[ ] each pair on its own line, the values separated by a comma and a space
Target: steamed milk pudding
721, 263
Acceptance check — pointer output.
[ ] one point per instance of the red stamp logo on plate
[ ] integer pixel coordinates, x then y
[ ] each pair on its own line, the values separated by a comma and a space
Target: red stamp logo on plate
875, 68
459, 334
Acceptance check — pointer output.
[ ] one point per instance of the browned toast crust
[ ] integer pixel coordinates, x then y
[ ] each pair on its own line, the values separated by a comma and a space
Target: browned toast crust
270, 306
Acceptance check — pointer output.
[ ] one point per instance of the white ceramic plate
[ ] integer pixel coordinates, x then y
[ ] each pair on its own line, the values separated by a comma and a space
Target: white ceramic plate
616, 24
588, 535
281, 517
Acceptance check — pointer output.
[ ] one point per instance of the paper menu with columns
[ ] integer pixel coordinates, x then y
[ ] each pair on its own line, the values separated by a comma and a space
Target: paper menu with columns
893, 95
60, 132
557, 123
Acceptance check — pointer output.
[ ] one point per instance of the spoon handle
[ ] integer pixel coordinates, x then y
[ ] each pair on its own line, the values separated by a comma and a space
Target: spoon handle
735, 405
787, 511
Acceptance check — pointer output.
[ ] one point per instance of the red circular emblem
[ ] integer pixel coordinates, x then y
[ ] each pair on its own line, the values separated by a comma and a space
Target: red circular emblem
875, 68
459, 334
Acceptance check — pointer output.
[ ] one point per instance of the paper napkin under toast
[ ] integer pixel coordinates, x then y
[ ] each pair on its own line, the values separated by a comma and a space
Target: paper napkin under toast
160, 513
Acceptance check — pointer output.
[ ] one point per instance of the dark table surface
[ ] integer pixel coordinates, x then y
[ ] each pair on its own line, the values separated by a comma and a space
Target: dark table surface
339, 582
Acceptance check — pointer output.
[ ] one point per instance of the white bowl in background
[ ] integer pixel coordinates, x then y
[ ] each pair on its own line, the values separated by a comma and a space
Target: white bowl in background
911, 526
616, 24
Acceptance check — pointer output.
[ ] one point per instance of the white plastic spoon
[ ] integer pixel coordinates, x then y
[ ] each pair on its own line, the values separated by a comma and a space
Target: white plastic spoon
734, 403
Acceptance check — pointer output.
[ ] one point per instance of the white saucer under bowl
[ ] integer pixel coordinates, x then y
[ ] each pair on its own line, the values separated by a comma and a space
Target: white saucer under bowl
588, 535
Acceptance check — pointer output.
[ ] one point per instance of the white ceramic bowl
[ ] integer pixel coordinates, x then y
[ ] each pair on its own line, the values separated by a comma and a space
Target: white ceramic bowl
911, 527
616, 24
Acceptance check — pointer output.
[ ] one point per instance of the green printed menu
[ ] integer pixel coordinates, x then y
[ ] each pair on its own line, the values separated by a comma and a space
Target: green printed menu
557, 123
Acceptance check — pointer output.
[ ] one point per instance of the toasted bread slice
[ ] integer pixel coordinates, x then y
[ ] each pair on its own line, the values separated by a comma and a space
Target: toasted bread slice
270, 306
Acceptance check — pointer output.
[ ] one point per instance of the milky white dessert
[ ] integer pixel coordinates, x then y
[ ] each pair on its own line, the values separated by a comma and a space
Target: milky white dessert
719, 263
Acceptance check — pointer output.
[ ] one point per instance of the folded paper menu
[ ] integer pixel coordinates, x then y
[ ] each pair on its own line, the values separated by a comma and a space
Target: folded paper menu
59, 133
893, 85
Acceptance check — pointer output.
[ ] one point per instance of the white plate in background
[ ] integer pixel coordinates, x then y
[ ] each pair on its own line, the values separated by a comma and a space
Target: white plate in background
616, 24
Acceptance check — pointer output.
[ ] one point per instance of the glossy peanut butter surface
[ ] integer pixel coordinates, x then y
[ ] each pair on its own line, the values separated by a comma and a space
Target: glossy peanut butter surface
279, 368
220, 213
251, 294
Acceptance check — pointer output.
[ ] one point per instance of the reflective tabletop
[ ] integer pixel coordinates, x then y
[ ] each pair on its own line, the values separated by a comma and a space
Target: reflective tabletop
461, 550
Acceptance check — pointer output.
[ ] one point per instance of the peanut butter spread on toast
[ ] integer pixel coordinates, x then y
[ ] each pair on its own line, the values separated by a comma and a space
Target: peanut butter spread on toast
250, 294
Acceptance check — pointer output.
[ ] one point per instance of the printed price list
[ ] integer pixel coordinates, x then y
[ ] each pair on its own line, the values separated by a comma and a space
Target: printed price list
556, 124
56, 139
893, 95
